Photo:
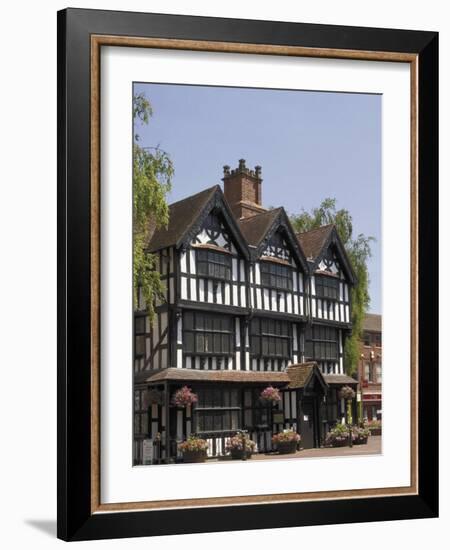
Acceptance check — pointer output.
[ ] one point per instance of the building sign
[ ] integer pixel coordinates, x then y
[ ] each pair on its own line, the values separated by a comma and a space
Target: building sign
278, 417
372, 397
147, 451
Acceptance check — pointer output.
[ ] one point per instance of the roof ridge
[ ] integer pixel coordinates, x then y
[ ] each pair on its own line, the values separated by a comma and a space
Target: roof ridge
216, 186
250, 218
316, 229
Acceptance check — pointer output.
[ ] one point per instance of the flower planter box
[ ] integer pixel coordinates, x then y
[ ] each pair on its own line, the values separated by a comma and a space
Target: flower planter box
238, 454
360, 441
343, 443
194, 456
286, 447
375, 431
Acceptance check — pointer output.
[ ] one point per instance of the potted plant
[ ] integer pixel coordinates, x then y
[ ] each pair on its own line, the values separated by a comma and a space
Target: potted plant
236, 444
184, 397
194, 449
337, 436
286, 441
360, 435
270, 395
374, 426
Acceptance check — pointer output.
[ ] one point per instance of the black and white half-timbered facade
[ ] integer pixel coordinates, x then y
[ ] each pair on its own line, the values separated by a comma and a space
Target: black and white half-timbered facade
248, 304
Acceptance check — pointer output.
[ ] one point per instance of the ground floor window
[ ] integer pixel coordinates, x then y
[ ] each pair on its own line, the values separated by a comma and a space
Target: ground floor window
270, 338
256, 413
140, 414
217, 410
208, 333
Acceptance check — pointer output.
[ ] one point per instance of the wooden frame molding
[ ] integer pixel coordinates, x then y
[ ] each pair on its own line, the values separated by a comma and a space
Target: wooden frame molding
97, 41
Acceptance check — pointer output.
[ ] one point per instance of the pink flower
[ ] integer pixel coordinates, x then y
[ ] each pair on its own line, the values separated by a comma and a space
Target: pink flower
270, 394
184, 397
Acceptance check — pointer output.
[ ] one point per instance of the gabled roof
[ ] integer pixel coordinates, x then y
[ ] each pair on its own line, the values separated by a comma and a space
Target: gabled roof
186, 217
372, 322
302, 374
255, 227
315, 243
259, 229
312, 242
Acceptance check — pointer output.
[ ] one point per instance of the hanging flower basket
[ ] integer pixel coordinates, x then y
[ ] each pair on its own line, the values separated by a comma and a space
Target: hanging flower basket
270, 395
153, 397
346, 392
184, 397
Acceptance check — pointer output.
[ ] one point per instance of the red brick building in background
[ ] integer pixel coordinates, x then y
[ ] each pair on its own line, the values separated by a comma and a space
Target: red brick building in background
370, 367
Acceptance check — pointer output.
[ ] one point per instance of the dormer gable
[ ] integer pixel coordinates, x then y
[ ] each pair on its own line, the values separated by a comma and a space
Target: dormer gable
203, 218
326, 253
270, 236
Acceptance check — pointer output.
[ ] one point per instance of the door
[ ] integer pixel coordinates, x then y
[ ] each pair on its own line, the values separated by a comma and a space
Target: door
308, 422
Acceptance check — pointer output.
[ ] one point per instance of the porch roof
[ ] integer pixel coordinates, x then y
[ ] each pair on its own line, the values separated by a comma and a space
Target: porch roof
194, 375
339, 379
301, 374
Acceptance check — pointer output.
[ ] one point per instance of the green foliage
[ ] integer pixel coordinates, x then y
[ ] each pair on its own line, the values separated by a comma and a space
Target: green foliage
152, 176
359, 251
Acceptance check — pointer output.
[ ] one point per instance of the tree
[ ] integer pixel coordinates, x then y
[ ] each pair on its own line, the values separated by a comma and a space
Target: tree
359, 252
152, 178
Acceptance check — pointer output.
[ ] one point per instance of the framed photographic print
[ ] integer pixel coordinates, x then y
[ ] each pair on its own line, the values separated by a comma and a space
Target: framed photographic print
247, 274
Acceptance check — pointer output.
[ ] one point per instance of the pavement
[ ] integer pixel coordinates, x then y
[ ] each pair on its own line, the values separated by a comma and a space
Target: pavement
373, 446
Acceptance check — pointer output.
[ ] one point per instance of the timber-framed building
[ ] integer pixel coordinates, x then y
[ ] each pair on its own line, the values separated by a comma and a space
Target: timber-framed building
249, 304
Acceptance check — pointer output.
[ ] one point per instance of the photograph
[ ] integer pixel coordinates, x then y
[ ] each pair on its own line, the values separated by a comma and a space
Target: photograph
257, 280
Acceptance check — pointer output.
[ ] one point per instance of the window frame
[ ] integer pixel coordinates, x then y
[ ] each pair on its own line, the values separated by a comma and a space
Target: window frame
311, 339
140, 334
142, 413
260, 333
323, 282
210, 333
270, 279
212, 257
217, 408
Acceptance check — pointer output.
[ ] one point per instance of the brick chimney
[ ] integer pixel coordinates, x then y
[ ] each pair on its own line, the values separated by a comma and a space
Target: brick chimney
242, 189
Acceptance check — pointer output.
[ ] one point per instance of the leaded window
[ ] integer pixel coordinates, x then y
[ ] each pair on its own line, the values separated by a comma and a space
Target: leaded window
208, 333
140, 414
217, 410
276, 275
212, 264
327, 287
257, 413
270, 338
322, 344
140, 336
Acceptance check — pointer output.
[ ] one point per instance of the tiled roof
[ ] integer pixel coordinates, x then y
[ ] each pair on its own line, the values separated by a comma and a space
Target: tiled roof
182, 215
300, 374
195, 375
372, 322
313, 241
255, 228
338, 379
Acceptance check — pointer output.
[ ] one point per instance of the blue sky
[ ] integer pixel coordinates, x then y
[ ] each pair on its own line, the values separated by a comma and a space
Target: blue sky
311, 145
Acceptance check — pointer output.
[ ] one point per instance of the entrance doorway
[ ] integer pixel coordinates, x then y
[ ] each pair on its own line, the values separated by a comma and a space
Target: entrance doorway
309, 423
